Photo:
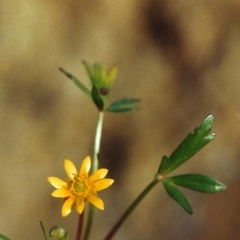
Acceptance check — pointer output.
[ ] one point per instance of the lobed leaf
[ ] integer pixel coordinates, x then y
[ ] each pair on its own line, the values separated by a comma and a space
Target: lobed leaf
198, 182
124, 105
177, 195
195, 141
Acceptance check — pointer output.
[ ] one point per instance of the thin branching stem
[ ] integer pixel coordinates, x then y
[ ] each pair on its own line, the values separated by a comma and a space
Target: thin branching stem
130, 209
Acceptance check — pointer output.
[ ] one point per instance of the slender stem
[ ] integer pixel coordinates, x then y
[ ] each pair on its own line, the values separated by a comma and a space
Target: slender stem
43, 230
80, 226
97, 141
130, 209
89, 222
96, 152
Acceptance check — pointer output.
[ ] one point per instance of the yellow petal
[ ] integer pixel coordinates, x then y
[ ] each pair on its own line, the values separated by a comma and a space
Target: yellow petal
97, 202
102, 184
70, 168
111, 75
61, 193
80, 205
57, 182
99, 174
85, 167
67, 206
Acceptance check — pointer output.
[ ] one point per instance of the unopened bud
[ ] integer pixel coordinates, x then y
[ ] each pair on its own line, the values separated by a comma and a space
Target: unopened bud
58, 233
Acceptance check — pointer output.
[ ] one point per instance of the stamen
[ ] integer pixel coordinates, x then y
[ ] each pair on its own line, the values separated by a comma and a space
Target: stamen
79, 187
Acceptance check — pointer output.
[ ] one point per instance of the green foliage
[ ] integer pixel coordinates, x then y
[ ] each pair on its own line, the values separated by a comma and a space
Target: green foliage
194, 182
93, 72
2, 237
102, 81
97, 99
164, 164
195, 141
99, 76
77, 82
198, 183
177, 195
124, 105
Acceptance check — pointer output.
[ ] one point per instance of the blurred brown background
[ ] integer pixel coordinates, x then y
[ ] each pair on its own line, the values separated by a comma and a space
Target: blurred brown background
182, 58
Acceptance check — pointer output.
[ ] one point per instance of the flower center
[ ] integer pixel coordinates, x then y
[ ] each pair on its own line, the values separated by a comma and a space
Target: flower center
79, 187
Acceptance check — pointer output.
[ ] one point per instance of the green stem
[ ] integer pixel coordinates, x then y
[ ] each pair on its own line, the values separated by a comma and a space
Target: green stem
43, 230
89, 222
131, 208
96, 152
97, 141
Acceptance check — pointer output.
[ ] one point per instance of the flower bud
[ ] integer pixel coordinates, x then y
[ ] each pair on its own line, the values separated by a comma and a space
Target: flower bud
58, 233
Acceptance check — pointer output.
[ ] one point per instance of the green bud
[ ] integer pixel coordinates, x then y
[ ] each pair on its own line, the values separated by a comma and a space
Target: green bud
101, 77
58, 233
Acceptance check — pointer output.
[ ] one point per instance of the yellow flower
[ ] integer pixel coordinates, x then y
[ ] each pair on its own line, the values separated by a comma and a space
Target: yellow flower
79, 187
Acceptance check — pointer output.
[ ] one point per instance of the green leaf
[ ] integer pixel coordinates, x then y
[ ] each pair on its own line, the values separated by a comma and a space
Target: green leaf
96, 96
3, 237
177, 195
195, 141
198, 183
99, 76
77, 82
123, 105
90, 71
96, 73
164, 164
